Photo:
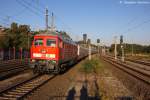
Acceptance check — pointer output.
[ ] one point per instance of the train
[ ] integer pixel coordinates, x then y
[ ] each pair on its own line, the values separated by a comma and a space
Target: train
52, 52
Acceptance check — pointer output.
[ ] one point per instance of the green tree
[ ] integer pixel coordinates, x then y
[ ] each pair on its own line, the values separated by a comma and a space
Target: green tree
18, 36
13, 35
4, 42
129, 47
24, 39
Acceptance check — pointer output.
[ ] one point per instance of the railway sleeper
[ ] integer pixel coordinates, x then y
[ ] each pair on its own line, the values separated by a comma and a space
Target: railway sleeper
5, 98
130, 71
27, 88
11, 95
29, 85
23, 89
17, 93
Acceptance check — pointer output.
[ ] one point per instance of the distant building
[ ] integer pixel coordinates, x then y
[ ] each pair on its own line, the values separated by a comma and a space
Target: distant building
2, 33
84, 38
98, 40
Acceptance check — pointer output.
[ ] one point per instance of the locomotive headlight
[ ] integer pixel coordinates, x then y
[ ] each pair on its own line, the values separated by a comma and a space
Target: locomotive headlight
50, 55
37, 55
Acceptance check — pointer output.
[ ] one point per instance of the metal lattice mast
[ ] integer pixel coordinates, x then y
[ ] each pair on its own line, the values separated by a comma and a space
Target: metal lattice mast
46, 18
52, 27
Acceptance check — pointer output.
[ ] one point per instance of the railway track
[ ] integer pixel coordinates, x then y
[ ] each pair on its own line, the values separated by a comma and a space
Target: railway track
134, 63
12, 71
136, 72
140, 62
21, 90
11, 67
14, 61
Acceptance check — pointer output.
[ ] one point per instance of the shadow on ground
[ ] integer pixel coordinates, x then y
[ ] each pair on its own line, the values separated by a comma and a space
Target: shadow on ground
84, 93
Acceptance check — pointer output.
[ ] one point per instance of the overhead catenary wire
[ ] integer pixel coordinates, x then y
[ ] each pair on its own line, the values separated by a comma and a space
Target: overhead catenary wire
38, 10
134, 19
34, 7
138, 25
28, 8
13, 17
42, 6
5, 21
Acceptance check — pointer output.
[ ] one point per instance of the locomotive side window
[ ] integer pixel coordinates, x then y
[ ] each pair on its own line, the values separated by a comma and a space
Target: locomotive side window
51, 42
38, 42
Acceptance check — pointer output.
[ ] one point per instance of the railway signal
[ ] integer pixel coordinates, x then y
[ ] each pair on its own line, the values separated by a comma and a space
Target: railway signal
122, 47
121, 39
98, 43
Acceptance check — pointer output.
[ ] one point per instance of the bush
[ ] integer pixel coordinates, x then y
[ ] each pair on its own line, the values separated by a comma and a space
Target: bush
90, 66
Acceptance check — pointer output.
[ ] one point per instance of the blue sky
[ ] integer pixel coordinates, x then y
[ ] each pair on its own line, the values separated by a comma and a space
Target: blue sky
102, 19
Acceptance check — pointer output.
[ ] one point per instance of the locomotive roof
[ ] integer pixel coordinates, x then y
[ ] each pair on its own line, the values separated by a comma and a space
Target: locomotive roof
65, 39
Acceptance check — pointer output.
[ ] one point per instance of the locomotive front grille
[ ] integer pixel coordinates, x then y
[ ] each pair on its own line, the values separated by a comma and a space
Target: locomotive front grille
50, 64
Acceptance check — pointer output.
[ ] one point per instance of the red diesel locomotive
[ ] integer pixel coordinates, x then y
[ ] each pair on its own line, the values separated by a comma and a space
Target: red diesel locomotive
51, 52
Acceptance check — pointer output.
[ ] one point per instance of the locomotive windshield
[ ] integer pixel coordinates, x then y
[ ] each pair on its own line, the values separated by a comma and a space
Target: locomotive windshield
38, 42
51, 42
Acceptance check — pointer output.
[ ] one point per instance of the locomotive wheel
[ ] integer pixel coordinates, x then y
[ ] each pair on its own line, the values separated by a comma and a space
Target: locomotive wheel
35, 70
57, 70
62, 69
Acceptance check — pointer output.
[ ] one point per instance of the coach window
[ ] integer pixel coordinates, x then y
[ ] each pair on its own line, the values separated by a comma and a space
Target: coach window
64, 45
60, 44
51, 42
38, 42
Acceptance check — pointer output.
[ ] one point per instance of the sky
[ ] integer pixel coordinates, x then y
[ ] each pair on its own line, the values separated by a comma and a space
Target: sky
103, 19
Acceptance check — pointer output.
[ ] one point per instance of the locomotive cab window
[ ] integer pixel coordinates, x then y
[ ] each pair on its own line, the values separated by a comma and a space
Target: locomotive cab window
51, 42
38, 42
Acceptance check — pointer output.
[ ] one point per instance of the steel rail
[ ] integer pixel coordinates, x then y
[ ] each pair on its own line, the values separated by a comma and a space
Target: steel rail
21, 90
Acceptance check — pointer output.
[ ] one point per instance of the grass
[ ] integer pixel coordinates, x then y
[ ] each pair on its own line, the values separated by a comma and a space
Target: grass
91, 66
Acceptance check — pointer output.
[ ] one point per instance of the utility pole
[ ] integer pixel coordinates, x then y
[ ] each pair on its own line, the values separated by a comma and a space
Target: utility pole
14, 52
104, 50
46, 19
8, 19
28, 45
122, 47
89, 52
132, 49
52, 27
115, 51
